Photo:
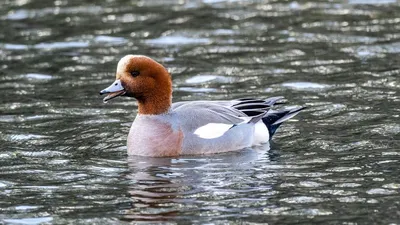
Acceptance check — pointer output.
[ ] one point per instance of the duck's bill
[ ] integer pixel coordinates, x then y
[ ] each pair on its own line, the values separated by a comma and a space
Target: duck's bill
113, 95
113, 91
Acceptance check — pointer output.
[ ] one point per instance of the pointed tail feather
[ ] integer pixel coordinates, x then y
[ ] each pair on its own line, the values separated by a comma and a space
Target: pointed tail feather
274, 100
257, 118
268, 101
253, 119
274, 119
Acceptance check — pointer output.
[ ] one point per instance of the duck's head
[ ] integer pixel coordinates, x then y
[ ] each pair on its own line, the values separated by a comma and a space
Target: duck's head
144, 79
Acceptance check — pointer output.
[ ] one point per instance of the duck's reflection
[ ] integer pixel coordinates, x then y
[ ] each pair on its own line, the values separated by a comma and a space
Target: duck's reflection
165, 188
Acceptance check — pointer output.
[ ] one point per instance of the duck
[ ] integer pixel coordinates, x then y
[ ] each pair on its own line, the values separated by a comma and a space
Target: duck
165, 129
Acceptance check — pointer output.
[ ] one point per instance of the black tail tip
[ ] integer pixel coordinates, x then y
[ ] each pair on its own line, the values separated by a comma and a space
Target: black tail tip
274, 119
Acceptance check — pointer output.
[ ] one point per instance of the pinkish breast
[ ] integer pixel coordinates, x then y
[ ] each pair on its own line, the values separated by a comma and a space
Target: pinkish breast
155, 137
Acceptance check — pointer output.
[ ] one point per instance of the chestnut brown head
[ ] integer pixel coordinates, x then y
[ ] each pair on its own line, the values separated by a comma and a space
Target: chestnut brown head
144, 79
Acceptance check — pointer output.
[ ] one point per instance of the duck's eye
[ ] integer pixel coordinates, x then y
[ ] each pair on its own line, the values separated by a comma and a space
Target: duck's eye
135, 73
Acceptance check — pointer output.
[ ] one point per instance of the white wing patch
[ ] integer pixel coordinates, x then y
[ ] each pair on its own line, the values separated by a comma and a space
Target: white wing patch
212, 130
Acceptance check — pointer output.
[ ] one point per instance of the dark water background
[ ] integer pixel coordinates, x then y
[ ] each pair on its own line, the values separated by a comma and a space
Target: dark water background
63, 152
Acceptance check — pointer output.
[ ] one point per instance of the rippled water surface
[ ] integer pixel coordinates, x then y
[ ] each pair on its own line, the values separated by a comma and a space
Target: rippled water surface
63, 152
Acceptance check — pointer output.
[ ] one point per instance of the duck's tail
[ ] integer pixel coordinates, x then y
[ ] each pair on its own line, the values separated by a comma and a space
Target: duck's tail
274, 119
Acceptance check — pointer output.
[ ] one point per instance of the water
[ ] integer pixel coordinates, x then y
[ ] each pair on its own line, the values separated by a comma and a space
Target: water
63, 152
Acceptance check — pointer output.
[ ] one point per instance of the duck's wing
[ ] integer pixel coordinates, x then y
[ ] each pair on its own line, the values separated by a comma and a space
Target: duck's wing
254, 107
212, 128
246, 106
195, 114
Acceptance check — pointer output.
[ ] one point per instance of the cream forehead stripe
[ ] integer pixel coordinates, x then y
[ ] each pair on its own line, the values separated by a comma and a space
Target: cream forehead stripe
124, 61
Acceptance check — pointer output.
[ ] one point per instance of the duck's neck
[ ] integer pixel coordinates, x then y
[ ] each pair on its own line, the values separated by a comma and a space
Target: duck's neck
154, 105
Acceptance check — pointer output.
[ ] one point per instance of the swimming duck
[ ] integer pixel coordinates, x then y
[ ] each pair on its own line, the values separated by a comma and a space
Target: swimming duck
163, 129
